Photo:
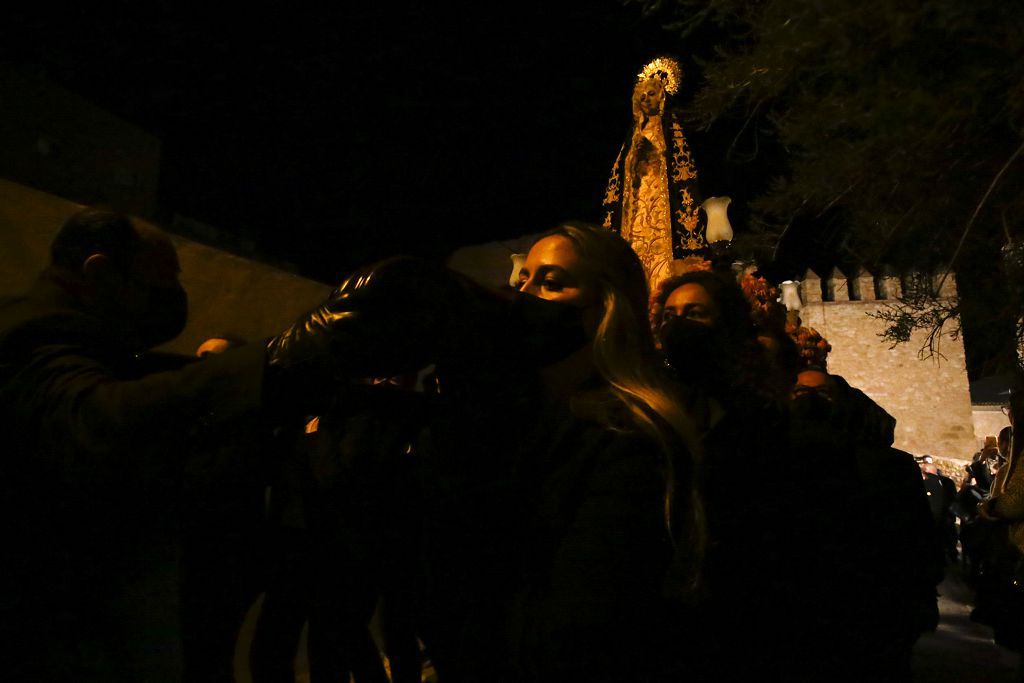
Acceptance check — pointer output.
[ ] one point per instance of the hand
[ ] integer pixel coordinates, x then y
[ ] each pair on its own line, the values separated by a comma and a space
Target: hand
984, 511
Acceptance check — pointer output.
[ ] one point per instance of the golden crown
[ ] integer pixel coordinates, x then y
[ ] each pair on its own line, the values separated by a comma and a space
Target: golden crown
665, 68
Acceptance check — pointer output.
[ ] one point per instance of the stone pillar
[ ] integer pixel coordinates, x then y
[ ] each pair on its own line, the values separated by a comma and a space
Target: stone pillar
810, 287
836, 286
862, 286
889, 285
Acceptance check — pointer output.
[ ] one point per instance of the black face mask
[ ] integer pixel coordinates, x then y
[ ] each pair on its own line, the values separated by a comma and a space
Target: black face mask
693, 349
164, 318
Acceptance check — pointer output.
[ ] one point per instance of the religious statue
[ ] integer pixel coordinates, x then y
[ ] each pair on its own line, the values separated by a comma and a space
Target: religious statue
652, 198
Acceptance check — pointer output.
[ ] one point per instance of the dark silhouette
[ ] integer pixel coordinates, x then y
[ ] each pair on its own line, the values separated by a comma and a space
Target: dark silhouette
710, 339
96, 430
864, 576
223, 534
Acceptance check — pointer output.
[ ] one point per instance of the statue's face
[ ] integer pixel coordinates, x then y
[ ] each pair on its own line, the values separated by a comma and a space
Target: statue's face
649, 96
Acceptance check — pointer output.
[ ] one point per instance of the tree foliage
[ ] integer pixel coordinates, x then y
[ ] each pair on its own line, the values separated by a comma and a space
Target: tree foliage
920, 308
902, 120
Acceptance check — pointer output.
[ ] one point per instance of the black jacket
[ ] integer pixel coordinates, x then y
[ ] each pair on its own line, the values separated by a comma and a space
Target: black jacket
555, 570
93, 438
861, 552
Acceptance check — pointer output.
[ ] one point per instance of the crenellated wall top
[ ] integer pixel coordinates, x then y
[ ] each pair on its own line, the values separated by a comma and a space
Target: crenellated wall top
863, 285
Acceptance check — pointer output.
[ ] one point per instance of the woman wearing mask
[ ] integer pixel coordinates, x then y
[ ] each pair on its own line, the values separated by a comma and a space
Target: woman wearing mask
709, 339
609, 477
559, 504
706, 330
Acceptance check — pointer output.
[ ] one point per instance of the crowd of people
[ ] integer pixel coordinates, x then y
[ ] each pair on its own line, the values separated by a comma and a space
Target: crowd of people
570, 480
978, 524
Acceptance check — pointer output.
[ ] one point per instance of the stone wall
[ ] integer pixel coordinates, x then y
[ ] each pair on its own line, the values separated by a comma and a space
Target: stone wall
929, 397
988, 421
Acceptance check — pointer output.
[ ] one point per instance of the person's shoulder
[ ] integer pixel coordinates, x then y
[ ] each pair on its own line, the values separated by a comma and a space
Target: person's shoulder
900, 465
902, 458
44, 332
24, 332
41, 317
604, 428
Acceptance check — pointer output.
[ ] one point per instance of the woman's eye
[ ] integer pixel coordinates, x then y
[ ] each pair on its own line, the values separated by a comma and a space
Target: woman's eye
553, 285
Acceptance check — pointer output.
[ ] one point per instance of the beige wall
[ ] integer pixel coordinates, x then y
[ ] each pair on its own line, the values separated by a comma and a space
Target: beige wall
929, 398
988, 421
490, 264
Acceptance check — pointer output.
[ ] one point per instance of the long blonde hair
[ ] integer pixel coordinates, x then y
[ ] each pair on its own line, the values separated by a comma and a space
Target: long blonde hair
625, 356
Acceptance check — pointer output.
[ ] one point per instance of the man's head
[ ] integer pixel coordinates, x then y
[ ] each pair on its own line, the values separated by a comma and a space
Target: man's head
814, 394
124, 273
813, 380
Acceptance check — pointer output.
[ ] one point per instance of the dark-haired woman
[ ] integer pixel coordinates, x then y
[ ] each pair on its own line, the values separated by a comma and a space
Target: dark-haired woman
710, 340
704, 323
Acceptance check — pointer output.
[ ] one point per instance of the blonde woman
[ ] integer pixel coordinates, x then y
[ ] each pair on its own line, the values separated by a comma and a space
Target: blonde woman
617, 501
558, 503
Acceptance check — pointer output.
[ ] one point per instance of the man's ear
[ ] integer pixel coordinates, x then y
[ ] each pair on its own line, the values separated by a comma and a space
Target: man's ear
96, 267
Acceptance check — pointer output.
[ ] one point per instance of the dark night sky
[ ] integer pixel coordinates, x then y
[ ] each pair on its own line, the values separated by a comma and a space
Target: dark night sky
337, 137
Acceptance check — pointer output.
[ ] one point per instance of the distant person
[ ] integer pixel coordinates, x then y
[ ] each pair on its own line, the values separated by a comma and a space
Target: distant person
941, 492
980, 469
1003, 443
1005, 509
976, 536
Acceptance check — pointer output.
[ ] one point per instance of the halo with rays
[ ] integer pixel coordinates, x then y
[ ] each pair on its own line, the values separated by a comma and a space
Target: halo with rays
665, 68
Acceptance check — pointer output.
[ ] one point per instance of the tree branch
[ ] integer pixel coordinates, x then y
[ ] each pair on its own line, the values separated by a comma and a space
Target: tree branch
977, 210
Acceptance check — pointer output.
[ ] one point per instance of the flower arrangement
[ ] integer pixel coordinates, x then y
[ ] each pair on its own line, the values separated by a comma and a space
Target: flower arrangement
765, 308
813, 348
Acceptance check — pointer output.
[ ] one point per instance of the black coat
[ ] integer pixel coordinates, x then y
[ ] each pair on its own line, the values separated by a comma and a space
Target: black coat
93, 438
546, 547
861, 552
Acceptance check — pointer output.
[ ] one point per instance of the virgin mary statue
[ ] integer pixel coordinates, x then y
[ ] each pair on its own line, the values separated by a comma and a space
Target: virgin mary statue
652, 198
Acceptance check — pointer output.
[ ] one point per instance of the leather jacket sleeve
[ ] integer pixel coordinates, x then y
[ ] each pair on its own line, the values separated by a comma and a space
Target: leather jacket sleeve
405, 313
